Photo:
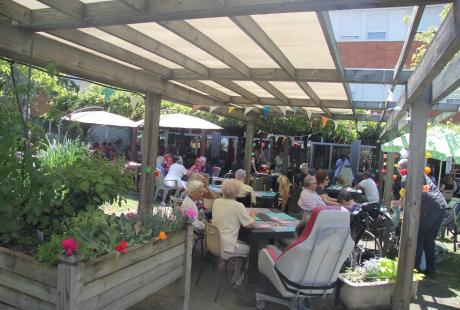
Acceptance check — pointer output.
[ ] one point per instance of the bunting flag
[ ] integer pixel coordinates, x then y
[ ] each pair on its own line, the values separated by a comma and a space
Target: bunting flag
135, 100
336, 124
248, 109
196, 107
295, 109
391, 95
108, 92
309, 114
360, 126
283, 109
324, 120
212, 108
266, 111
230, 109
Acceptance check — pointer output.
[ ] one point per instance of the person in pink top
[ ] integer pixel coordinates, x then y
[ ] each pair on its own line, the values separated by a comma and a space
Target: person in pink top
197, 167
309, 199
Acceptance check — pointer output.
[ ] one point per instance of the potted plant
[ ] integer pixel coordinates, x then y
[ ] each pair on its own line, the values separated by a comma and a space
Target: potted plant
371, 286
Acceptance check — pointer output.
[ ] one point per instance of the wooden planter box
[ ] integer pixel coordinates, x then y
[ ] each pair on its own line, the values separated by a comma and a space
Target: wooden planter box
371, 295
109, 282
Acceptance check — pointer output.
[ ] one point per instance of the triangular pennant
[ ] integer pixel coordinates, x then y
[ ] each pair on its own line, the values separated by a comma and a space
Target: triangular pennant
324, 120
230, 109
283, 109
248, 109
336, 124
212, 108
391, 95
196, 107
108, 92
309, 114
295, 109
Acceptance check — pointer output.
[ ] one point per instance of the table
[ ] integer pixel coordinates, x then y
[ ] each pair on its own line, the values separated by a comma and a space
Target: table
135, 169
357, 194
271, 224
266, 199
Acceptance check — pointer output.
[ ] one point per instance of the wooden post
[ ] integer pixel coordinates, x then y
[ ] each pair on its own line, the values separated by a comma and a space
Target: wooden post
149, 149
188, 265
203, 142
388, 189
411, 217
133, 144
248, 147
69, 283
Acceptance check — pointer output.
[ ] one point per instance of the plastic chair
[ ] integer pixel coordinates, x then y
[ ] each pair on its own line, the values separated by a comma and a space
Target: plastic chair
213, 243
310, 265
216, 172
176, 202
160, 186
246, 201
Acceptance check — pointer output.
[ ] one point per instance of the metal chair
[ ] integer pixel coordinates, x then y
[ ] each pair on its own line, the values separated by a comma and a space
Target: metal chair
160, 186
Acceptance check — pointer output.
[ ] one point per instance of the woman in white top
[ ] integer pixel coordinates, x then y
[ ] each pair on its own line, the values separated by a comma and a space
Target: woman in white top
175, 173
229, 215
195, 191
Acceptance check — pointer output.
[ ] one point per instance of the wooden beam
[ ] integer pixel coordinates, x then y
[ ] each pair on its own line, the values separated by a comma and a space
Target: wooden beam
311, 93
17, 44
326, 26
411, 32
361, 76
442, 117
104, 47
274, 91
149, 151
443, 47
15, 11
447, 81
138, 5
70, 7
413, 199
248, 147
197, 38
139, 39
388, 188
207, 89
114, 12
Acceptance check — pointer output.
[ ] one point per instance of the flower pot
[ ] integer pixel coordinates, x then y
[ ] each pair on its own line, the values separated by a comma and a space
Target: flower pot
369, 295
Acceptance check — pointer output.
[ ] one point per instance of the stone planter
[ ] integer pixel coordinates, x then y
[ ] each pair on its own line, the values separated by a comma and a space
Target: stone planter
371, 295
108, 282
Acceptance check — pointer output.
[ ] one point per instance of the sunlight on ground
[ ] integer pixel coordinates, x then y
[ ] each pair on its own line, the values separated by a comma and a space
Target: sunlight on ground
130, 205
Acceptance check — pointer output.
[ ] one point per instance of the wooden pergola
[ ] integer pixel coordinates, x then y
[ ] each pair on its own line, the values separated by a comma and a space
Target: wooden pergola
246, 55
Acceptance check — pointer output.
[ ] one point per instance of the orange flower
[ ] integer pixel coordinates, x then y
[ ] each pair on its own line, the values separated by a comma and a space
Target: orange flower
162, 235
427, 170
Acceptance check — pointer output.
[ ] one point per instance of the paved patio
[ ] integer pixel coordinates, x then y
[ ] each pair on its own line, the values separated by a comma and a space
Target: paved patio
432, 295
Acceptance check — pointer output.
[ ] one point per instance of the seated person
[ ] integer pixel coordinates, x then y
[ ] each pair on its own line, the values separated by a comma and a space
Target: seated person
246, 190
195, 190
309, 199
229, 215
369, 187
323, 181
198, 166
175, 174
203, 178
345, 200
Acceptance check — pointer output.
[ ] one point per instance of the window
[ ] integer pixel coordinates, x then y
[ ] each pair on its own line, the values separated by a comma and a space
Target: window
349, 38
350, 25
377, 35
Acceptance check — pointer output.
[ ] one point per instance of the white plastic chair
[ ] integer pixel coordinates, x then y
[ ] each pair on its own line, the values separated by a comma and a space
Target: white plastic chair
160, 186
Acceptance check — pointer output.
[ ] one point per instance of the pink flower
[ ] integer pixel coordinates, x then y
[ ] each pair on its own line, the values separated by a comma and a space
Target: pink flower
69, 246
131, 215
191, 214
121, 247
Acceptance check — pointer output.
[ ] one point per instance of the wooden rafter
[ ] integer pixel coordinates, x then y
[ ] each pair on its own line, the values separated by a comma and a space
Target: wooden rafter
115, 12
447, 81
326, 26
258, 35
444, 46
15, 11
73, 8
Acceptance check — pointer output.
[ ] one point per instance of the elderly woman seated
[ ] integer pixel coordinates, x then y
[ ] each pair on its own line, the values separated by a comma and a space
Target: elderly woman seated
229, 215
245, 190
195, 191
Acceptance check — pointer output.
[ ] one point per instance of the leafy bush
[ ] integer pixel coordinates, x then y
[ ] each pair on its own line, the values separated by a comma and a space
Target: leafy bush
381, 269
72, 179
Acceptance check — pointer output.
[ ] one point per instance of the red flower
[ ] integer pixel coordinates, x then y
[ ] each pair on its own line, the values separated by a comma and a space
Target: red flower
121, 247
69, 246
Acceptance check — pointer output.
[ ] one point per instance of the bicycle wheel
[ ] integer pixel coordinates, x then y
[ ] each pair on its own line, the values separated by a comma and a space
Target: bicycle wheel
368, 247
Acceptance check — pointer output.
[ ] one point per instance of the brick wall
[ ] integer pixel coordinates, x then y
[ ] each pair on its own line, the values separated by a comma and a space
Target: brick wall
380, 55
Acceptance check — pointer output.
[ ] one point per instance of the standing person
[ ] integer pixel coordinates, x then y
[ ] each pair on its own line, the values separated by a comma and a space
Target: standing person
284, 191
175, 173
323, 181
341, 162
245, 190
309, 199
370, 188
433, 210
229, 215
